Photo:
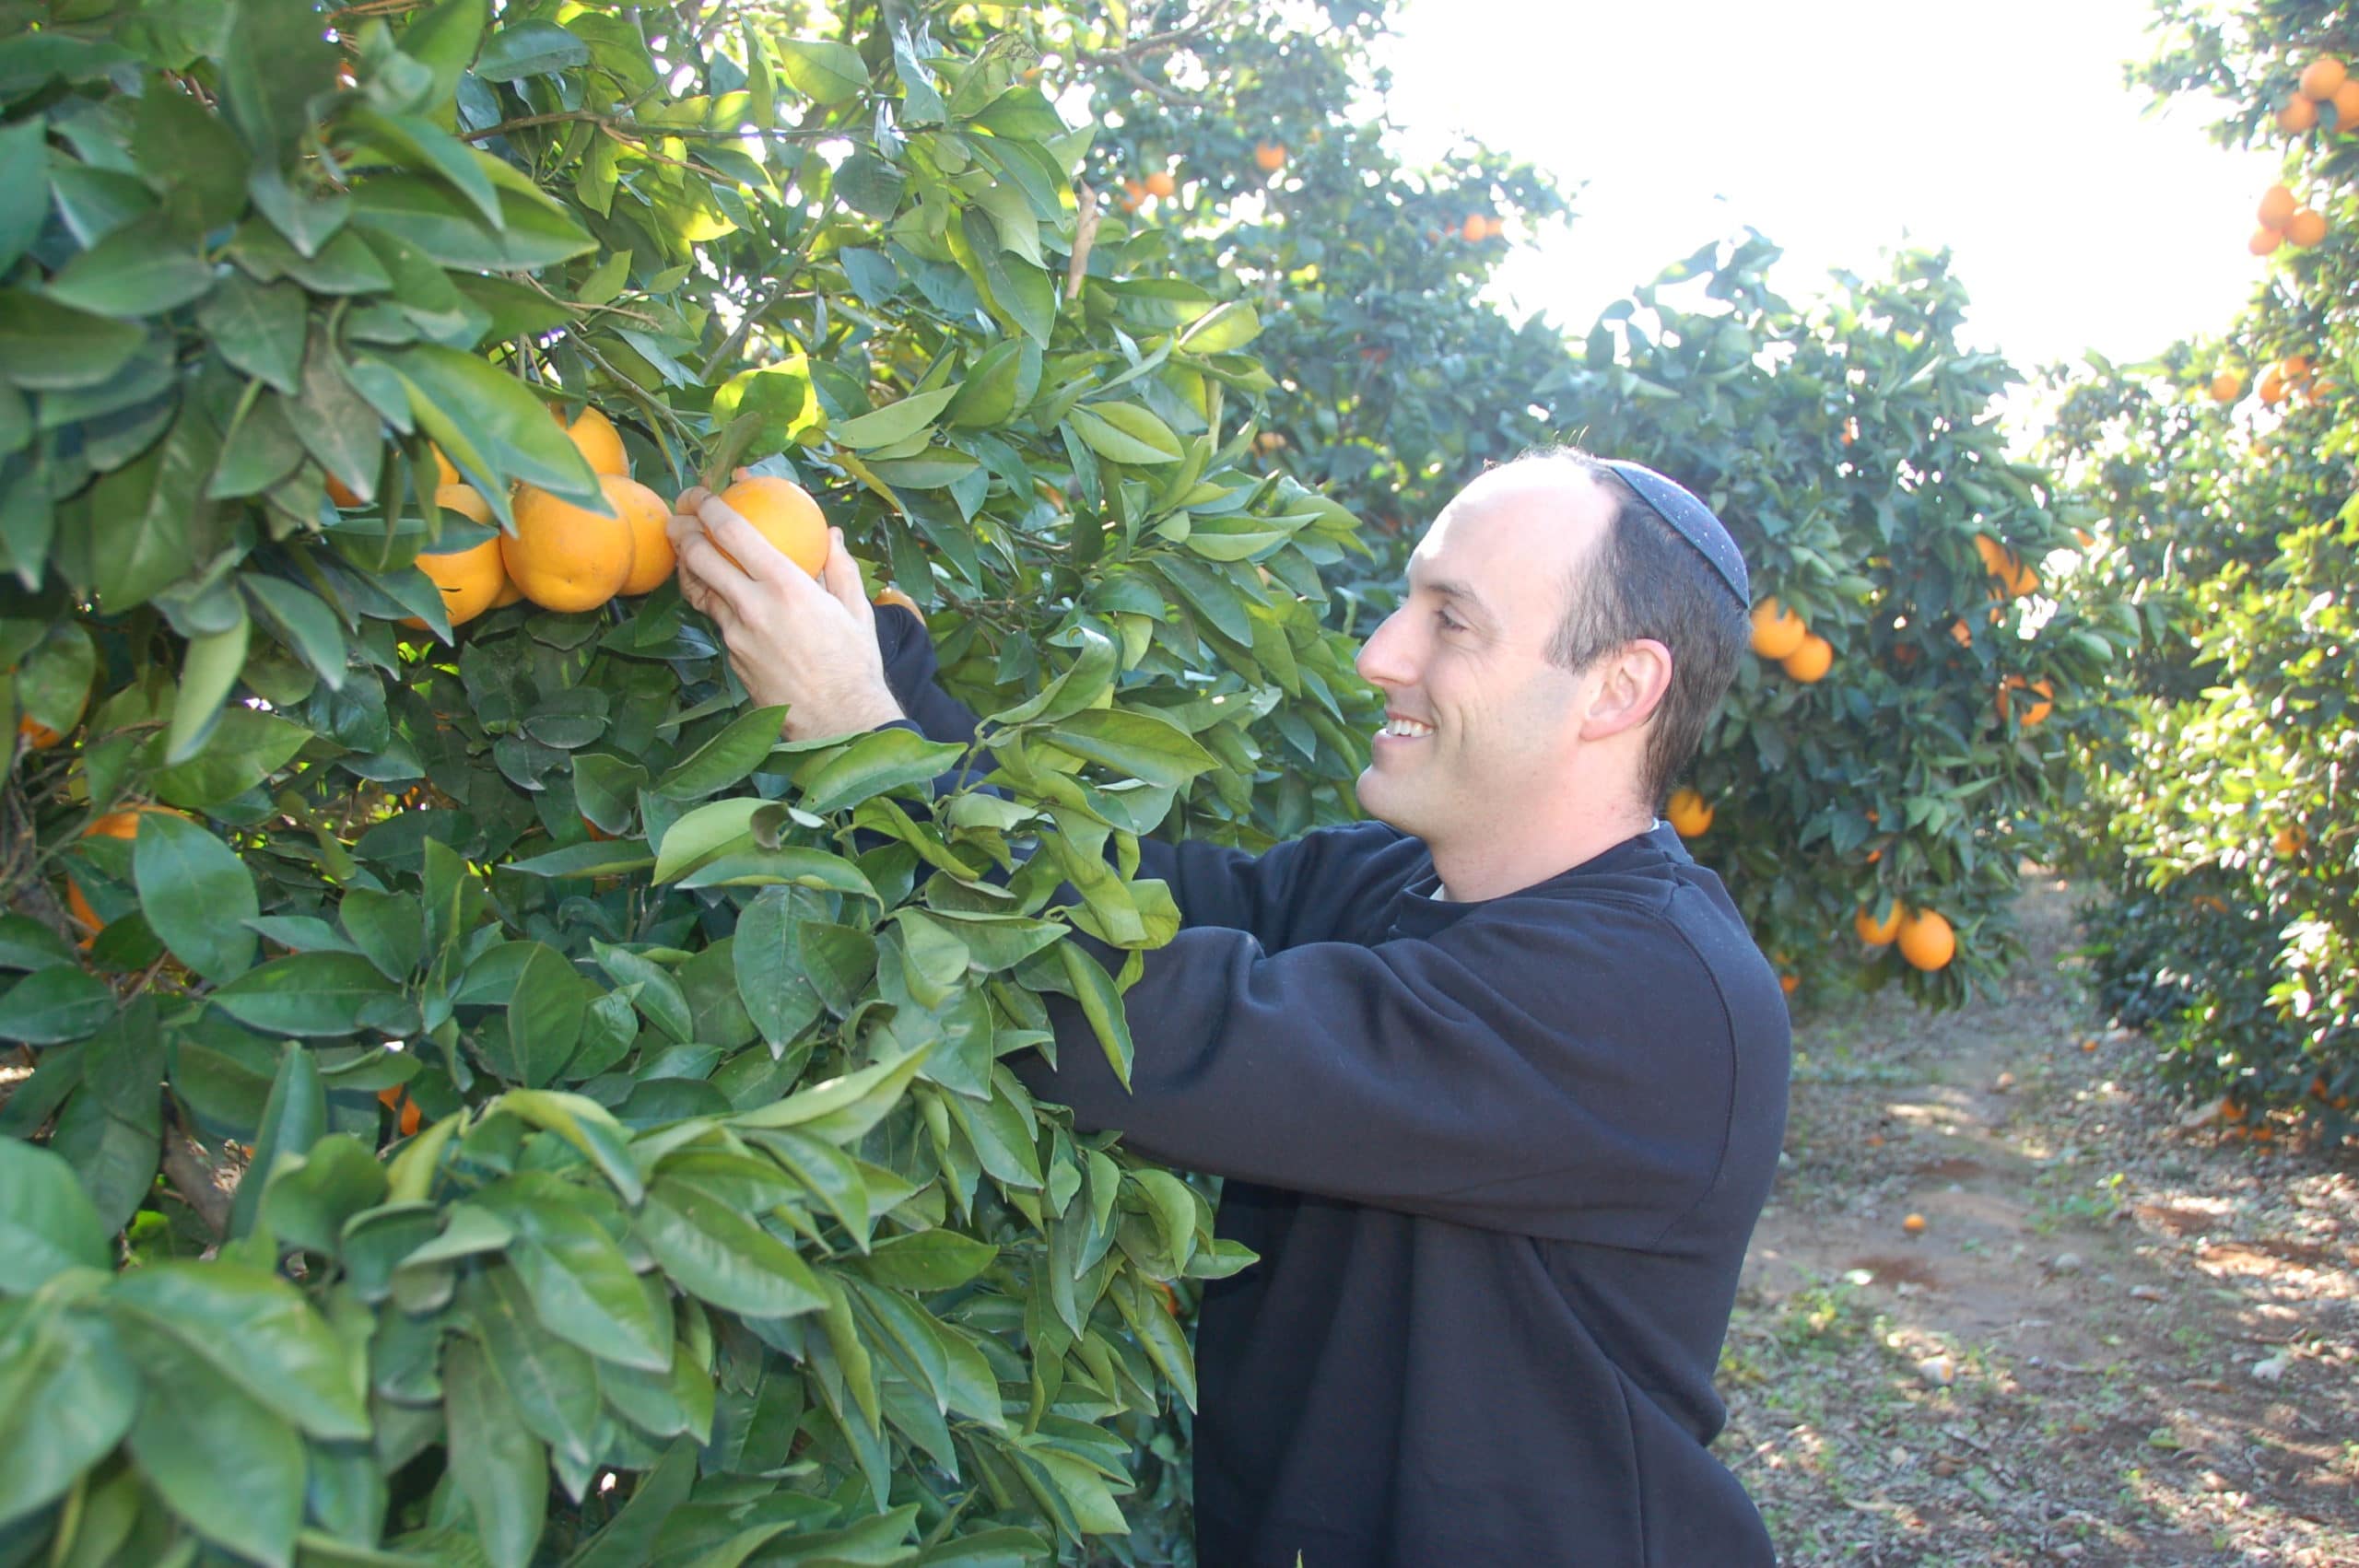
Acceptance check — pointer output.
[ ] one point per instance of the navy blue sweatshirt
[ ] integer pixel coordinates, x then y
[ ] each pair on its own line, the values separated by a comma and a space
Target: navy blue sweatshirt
1500, 1161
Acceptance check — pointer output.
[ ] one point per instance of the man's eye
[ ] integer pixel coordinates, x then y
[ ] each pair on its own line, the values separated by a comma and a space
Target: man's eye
1449, 620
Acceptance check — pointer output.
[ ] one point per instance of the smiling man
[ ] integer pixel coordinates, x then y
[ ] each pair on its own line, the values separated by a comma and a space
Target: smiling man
1497, 1080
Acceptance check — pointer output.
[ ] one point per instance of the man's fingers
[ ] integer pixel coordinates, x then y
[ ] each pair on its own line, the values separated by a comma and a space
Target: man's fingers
699, 558
841, 575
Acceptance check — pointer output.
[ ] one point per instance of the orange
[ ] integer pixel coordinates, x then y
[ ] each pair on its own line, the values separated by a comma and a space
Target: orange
1875, 932
1926, 939
1914, 1224
1851, 431
2021, 583
1997, 559
1476, 228
567, 558
2290, 840
2306, 227
1790, 984
1270, 156
2228, 386
508, 592
38, 736
2298, 115
2277, 206
1809, 663
785, 514
2272, 387
597, 439
597, 835
1688, 813
2294, 368
1776, 631
2346, 106
888, 594
407, 1116
2323, 77
113, 824
651, 557
2264, 241
1160, 183
471, 579
2033, 711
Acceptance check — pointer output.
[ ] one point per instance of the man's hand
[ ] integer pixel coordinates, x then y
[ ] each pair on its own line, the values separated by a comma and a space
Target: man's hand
808, 643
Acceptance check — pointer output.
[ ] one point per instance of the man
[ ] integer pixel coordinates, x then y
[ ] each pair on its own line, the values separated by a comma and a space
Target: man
1497, 1080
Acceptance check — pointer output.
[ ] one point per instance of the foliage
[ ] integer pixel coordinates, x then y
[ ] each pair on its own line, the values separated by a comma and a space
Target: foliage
2217, 814
1851, 444
628, 1173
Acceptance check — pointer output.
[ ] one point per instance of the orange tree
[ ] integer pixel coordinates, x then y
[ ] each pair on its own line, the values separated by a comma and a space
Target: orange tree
489, 1100
1902, 748
2217, 812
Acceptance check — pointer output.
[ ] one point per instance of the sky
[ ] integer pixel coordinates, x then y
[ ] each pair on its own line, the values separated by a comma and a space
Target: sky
2080, 217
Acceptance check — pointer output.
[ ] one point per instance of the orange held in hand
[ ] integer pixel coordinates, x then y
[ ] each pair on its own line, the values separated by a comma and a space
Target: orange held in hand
783, 513
1926, 939
567, 558
1776, 631
1688, 813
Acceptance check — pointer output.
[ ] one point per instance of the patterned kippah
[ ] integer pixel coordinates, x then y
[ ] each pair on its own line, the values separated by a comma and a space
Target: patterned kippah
1691, 519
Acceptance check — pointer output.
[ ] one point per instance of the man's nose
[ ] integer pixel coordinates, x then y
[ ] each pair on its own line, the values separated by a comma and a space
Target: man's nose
1384, 658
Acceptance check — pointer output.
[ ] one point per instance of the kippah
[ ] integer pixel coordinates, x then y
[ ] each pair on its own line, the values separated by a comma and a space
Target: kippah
1691, 519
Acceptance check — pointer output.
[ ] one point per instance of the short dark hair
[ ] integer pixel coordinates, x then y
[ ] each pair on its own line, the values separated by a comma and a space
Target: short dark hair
1647, 581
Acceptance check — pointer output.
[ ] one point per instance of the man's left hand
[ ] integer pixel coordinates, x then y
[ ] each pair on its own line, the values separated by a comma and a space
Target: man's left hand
808, 643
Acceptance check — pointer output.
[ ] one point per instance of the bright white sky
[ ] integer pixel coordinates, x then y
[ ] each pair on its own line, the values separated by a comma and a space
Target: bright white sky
1841, 129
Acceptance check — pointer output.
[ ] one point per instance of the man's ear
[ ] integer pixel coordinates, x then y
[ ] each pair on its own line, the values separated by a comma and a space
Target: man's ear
1632, 682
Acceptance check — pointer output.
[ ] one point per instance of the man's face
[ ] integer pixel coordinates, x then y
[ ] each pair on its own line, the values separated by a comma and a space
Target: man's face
1480, 725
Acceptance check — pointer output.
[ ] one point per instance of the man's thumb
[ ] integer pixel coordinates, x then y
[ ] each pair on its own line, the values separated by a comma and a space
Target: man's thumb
841, 575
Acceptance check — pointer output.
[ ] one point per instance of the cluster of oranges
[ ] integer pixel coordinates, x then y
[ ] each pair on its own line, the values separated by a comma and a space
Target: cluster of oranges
1161, 184
568, 558
2283, 218
2325, 85
1925, 938
2295, 375
1779, 633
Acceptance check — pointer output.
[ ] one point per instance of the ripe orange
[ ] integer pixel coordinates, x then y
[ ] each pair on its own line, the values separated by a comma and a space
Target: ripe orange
471, 579
2277, 206
1476, 228
1927, 940
2323, 77
1914, 1224
113, 824
2291, 839
2306, 227
2294, 368
2228, 386
597, 439
407, 1116
567, 558
2021, 583
888, 594
1809, 663
1790, 984
2272, 388
2264, 241
39, 737
1270, 156
1776, 631
786, 515
2346, 106
651, 558
1875, 932
1160, 183
2298, 115
2033, 711
1688, 813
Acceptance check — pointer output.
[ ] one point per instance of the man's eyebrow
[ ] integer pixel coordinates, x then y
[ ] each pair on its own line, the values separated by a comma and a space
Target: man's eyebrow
1451, 588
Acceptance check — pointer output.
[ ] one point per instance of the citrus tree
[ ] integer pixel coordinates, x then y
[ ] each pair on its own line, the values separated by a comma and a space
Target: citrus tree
478, 1095
1927, 637
2217, 814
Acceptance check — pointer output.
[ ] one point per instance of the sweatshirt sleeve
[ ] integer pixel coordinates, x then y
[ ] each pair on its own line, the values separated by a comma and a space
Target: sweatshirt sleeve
909, 670
1571, 1078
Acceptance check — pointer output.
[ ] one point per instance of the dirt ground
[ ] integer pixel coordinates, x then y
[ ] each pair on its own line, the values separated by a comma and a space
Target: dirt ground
2117, 1340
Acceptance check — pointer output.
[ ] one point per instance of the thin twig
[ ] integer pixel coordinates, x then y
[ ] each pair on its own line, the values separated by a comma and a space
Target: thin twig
1085, 234
198, 1180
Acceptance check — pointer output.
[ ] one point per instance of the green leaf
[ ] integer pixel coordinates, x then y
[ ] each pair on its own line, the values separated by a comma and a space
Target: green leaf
68, 1395
821, 69
311, 1197
650, 985
1140, 745
630, 1540
303, 623
535, 232
494, 1461
218, 1457
615, 858
842, 1108
257, 1330
24, 161
481, 416
585, 1124
1101, 1004
1123, 432
26, 944
705, 832
275, 59
315, 994
928, 1260
44, 346
145, 516
553, 1384
47, 1223
895, 423
741, 746
247, 746
136, 271
874, 763
389, 928
770, 981
719, 1255
545, 1015
529, 49
50, 1006
197, 895
580, 1282
210, 672
292, 1120
1224, 329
